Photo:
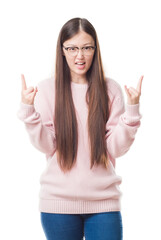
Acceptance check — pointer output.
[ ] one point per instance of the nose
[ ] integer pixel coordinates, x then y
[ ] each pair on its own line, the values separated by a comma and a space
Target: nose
80, 53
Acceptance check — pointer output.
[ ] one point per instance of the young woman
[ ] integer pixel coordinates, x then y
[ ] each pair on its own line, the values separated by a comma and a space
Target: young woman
79, 121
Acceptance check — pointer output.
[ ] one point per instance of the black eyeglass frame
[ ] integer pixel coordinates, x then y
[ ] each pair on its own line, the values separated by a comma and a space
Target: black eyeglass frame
66, 48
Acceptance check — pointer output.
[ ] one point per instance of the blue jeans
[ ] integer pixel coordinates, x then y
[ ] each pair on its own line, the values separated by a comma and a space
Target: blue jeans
93, 226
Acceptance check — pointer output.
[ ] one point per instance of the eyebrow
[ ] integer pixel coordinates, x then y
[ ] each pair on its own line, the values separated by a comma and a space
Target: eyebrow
73, 45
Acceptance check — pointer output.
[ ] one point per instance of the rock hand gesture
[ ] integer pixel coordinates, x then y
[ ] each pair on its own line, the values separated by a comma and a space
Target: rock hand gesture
27, 94
133, 95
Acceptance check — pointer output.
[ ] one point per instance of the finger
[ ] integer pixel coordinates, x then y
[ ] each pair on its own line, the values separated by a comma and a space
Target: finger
24, 87
140, 84
30, 97
29, 90
133, 91
35, 91
32, 94
127, 91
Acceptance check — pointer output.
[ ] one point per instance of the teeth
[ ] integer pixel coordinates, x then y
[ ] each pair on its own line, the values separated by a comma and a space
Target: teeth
80, 63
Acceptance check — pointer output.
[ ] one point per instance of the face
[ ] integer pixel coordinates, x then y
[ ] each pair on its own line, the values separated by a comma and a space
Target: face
79, 64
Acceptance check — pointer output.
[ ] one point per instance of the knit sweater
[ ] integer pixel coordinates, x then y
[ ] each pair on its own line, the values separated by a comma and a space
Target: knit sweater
80, 190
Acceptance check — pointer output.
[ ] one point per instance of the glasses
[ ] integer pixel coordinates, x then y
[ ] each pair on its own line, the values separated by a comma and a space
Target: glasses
73, 51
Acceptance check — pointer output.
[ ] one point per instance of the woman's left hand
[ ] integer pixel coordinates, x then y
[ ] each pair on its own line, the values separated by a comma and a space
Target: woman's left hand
133, 95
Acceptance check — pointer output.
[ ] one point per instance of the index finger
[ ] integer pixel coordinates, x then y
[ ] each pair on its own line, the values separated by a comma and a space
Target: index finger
24, 87
140, 84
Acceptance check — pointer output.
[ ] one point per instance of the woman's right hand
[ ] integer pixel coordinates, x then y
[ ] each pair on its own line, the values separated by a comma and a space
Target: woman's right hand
27, 94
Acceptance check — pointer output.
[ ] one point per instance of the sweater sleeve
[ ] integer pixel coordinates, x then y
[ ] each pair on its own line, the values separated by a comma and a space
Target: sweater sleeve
121, 126
39, 124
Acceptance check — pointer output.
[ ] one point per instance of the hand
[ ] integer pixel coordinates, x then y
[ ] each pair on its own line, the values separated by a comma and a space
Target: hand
27, 94
133, 95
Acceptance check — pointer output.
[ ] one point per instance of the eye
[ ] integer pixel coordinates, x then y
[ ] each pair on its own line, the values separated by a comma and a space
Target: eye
71, 49
88, 48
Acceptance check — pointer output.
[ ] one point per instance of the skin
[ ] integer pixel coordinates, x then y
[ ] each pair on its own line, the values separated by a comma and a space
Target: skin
133, 95
79, 75
27, 94
81, 39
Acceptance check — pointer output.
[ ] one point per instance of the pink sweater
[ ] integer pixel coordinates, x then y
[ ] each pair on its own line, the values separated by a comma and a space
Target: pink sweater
82, 190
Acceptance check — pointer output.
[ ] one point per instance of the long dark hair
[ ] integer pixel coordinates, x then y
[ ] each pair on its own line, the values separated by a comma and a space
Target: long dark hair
65, 121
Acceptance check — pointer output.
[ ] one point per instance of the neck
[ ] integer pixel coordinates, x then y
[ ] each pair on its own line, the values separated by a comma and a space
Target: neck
78, 79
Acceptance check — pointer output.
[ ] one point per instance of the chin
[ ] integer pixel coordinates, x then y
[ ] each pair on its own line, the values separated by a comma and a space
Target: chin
79, 72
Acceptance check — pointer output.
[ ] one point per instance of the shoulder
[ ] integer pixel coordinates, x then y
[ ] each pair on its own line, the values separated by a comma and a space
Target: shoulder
45, 97
47, 84
46, 88
114, 89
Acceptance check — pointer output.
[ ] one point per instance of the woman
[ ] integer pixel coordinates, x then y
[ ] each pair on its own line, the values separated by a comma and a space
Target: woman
79, 121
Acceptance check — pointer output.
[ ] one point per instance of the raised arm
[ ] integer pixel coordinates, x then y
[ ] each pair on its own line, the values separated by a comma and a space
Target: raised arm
123, 123
32, 107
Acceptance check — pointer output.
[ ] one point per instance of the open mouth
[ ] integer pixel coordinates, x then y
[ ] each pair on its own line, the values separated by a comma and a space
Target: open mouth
80, 63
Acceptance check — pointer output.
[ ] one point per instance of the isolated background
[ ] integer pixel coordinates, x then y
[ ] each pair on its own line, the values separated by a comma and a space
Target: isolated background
130, 40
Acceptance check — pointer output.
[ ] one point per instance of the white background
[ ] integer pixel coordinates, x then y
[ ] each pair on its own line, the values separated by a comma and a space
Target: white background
130, 40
